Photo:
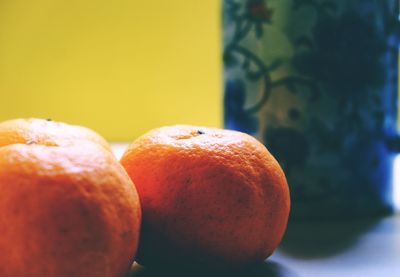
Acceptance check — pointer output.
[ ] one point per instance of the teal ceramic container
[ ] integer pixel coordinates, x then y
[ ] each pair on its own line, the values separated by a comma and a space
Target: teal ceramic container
317, 81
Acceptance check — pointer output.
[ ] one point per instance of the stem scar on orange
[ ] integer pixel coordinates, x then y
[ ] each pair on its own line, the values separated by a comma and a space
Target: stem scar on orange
210, 197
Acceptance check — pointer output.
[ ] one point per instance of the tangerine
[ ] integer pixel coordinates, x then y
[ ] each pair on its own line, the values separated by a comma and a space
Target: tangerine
210, 197
68, 210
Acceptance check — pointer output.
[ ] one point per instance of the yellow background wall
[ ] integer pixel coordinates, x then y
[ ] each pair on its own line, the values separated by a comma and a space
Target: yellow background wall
120, 67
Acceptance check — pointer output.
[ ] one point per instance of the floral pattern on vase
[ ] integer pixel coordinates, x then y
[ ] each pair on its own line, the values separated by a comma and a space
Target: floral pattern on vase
316, 81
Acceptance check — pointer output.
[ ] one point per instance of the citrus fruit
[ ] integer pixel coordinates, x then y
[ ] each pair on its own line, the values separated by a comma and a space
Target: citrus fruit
210, 197
65, 210
46, 132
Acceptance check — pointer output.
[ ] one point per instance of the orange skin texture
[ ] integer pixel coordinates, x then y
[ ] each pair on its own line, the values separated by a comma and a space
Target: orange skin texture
47, 132
66, 211
210, 197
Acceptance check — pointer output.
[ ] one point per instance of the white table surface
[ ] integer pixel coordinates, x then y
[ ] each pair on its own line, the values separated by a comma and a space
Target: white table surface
353, 248
119, 148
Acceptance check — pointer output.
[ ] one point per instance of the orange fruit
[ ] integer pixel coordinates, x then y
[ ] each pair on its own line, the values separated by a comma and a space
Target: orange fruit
210, 197
46, 132
65, 210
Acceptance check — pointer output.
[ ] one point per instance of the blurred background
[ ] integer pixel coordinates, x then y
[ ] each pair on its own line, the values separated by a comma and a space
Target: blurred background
124, 67
119, 67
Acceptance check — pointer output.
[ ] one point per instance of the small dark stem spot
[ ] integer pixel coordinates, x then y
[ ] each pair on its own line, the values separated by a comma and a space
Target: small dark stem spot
200, 132
49, 119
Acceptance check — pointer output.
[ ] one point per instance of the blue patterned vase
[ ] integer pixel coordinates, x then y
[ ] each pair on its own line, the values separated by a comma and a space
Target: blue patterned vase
316, 81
